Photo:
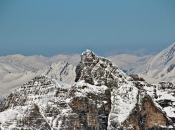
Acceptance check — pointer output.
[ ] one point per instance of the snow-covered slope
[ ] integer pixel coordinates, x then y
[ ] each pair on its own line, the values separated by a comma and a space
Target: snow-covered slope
129, 63
72, 59
161, 67
39, 104
18, 69
62, 71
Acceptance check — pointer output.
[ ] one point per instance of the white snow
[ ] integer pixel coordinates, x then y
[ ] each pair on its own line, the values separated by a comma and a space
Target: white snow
88, 89
19, 76
123, 101
156, 69
170, 111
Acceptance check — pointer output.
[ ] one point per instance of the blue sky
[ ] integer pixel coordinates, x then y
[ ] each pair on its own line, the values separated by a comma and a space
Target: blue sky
50, 27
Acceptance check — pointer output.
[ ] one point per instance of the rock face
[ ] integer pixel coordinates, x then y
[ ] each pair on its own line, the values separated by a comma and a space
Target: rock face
164, 94
148, 117
91, 105
102, 98
123, 96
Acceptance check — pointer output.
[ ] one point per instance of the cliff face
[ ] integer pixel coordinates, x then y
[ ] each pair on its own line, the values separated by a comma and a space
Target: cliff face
148, 116
122, 96
164, 94
103, 97
91, 105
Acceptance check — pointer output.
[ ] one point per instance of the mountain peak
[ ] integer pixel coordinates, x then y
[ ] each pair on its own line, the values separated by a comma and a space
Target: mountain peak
87, 51
161, 66
97, 70
164, 57
87, 54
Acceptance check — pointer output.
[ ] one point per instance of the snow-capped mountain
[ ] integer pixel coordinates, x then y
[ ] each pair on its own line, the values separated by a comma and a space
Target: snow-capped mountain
36, 62
62, 71
18, 69
103, 97
129, 63
161, 67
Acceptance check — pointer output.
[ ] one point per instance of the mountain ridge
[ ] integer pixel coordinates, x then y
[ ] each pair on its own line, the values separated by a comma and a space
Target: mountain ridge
103, 97
160, 67
12, 80
23, 68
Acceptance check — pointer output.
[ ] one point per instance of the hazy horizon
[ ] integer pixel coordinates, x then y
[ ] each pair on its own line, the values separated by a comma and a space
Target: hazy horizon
140, 52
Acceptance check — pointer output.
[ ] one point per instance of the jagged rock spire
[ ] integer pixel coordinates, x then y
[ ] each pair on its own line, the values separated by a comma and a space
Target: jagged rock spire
97, 70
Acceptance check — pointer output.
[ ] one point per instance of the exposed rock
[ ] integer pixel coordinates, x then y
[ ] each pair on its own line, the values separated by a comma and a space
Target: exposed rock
147, 116
40, 104
170, 68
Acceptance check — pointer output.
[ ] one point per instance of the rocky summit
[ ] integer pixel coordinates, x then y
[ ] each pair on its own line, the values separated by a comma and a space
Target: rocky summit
102, 98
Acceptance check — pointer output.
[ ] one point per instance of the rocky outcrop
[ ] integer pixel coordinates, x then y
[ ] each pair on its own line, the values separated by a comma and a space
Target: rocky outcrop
92, 105
123, 96
147, 116
163, 93
39, 104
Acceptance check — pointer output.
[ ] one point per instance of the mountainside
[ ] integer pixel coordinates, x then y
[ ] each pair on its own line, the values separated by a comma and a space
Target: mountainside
164, 94
18, 69
62, 71
103, 97
38, 104
129, 63
161, 67
36, 62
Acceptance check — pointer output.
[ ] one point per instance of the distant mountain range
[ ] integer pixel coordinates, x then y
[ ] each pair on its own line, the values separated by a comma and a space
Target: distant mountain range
140, 52
18, 69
